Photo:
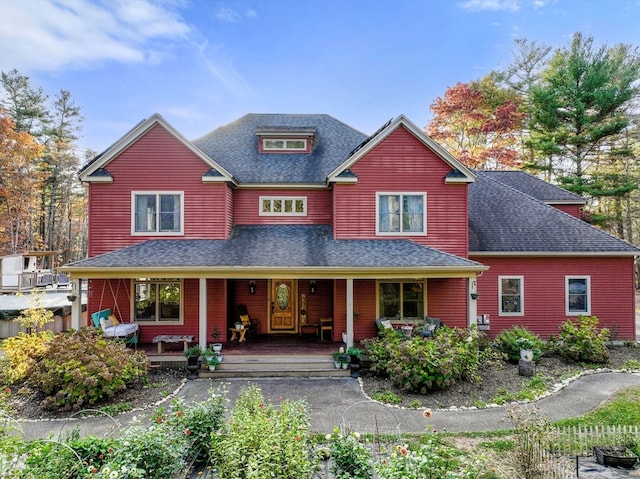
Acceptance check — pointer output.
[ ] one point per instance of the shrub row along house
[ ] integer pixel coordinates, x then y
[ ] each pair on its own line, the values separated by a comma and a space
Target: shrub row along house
301, 217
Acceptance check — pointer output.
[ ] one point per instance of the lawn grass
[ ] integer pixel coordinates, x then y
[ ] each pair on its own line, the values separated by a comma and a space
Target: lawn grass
623, 408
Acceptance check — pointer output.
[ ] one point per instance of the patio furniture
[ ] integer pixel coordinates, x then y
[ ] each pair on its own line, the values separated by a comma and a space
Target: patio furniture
239, 334
162, 339
112, 327
326, 324
250, 324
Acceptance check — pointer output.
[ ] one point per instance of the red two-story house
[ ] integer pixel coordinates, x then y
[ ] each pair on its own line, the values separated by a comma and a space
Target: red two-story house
301, 217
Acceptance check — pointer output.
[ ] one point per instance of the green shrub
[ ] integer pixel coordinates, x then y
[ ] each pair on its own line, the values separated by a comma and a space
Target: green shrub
351, 458
82, 368
262, 441
582, 341
509, 341
379, 350
20, 354
421, 365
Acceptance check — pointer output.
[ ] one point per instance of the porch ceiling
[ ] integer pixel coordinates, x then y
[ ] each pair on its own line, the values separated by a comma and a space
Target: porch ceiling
271, 251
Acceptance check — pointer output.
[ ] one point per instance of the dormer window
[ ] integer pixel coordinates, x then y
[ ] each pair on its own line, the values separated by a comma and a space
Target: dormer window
284, 144
285, 139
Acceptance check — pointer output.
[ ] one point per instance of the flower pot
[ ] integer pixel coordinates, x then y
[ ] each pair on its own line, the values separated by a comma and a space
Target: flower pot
212, 367
344, 365
615, 456
337, 364
217, 347
526, 354
344, 337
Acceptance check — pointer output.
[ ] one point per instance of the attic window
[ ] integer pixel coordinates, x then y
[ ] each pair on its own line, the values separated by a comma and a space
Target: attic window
288, 144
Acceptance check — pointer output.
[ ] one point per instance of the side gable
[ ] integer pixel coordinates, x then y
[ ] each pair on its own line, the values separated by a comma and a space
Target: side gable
459, 173
96, 170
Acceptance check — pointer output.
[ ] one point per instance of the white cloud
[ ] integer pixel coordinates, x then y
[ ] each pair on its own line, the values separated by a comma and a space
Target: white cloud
60, 34
227, 14
478, 5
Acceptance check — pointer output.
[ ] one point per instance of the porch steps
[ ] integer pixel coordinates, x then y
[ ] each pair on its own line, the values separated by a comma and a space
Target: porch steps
275, 365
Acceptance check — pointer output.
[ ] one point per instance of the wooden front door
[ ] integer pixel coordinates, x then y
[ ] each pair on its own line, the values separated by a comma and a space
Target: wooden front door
282, 306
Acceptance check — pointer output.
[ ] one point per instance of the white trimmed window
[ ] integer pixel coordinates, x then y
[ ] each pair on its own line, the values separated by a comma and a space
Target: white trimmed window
401, 214
578, 295
283, 206
157, 212
158, 301
511, 294
288, 144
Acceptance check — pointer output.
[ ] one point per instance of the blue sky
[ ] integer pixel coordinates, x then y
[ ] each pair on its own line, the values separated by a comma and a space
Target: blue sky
204, 63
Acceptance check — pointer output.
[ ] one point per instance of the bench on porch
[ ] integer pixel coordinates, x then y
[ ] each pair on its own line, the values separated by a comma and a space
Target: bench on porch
167, 338
410, 326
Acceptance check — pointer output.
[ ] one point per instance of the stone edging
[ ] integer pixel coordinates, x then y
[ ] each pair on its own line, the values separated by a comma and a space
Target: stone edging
553, 390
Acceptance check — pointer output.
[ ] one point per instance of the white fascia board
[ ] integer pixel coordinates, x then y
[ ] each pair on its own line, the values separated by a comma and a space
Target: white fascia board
283, 186
470, 177
98, 179
134, 134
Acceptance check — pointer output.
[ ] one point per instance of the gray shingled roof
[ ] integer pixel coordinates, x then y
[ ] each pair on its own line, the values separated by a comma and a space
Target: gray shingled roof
503, 219
535, 187
270, 246
235, 148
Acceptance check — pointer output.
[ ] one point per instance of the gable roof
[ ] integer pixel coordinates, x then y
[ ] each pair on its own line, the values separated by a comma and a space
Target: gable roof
535, 187
235, 147
505, 221
96, 170
294, 250
459, 174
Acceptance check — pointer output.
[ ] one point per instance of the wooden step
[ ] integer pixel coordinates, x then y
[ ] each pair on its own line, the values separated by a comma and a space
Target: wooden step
281, 365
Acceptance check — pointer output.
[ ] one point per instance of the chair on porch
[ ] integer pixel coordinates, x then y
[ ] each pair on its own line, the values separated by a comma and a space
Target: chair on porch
250, 324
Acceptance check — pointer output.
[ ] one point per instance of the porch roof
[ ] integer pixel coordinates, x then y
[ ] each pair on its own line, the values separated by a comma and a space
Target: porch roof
268, 250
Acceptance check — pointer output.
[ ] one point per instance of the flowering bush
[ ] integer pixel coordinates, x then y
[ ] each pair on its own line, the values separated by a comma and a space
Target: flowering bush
20, 354
511, 341
420, 365
582, 341
198, 422
380, 349
81, 368
431, 460
263, 441
351, 457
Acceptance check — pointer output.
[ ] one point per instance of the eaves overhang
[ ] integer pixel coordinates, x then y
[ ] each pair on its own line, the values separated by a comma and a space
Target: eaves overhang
294, 272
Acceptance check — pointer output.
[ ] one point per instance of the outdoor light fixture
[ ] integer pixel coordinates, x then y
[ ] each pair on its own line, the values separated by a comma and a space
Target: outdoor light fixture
252, 287
475, 295
312, 287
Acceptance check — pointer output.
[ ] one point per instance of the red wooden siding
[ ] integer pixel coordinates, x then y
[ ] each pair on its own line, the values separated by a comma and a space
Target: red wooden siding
573, 210
247, 205
156, 162
402, 163
447, 300
612, 293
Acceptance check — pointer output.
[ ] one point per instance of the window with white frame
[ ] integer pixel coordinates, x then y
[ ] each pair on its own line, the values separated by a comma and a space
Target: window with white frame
578, 295
159, 213
283, 206
402, 299
291, 144
401, 213
158, 300
511, 293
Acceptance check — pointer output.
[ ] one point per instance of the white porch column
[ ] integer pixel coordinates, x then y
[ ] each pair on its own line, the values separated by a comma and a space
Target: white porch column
76, 305
202, 313
349, 312
472, 304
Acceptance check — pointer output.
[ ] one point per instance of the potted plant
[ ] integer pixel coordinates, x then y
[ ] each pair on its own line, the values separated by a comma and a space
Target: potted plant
355, 355
193, 355
336, 359
528, 348
215, 334
212, 362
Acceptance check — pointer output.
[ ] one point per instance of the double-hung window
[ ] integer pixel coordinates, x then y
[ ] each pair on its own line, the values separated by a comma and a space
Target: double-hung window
511, 293
401, 214
578, 295
160, 213
158, 300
